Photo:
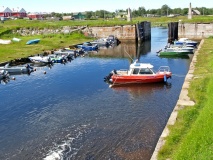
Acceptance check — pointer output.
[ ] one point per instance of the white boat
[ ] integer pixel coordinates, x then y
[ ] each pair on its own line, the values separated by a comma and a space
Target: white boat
186, 41
16, 39
17, 69
40, 59
184, 48
101, 42
69, 53
172, 52
5, 41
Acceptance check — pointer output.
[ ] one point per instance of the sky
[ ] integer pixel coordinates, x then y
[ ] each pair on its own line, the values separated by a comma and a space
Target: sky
69, 6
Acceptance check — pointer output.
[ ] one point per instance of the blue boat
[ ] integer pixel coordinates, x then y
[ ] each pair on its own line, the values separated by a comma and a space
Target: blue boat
33, 41
87, 46
185, 41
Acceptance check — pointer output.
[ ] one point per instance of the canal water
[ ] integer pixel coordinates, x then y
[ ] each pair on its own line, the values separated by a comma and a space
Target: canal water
71, 113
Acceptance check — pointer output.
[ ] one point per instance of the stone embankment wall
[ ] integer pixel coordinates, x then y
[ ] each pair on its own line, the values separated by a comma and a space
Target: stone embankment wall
126, 32
195, 31
183, 101
122, 32
45, 31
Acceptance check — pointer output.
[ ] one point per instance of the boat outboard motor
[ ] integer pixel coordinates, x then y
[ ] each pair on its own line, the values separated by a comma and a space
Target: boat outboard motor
29, 69
107, 78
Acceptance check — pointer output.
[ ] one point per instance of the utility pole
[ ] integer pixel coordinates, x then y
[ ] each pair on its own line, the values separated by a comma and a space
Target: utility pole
104, 14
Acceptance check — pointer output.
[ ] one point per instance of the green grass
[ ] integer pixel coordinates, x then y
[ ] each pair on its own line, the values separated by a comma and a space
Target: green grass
17, 50
192, 135
155, 21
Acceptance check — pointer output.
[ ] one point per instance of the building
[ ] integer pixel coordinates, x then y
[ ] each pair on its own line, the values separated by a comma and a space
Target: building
67, 18
195, 12
5, 12
19, 13
79, 15
35, 15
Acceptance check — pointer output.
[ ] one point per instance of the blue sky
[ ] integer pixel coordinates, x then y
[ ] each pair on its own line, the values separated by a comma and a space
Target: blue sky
67, 6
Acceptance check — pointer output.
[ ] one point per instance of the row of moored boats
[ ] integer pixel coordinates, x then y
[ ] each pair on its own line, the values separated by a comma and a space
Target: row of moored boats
182, 47
57, 56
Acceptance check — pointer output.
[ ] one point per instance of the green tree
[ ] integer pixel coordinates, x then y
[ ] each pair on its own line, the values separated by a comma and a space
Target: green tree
164, 9
184, 11
141, 11
89, 14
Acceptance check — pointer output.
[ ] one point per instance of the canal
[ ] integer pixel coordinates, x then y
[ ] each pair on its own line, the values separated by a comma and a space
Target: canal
71, 113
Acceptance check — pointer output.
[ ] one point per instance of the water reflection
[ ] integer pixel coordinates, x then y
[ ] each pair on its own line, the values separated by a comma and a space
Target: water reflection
128, 49
138, 90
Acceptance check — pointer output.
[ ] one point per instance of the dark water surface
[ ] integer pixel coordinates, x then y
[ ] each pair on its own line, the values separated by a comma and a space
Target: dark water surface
71, 113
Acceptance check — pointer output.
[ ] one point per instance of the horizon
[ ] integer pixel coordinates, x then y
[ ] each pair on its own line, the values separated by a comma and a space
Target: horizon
69, 7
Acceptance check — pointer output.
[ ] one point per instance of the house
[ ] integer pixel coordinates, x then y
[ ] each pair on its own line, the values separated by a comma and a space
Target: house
79, 15
20, 13
195, 12
67, 18
5, 12
35, 15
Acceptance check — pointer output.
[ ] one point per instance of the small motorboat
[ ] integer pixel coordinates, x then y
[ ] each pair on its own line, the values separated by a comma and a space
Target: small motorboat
185, 41
69, 53
138, 73
87, 46
40, 59
33, 41
57, 58
101, 42
17, 69
174, 51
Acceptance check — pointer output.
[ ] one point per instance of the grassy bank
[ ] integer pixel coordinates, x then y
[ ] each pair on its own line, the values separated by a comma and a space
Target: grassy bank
155, 21
192, 135
48, 42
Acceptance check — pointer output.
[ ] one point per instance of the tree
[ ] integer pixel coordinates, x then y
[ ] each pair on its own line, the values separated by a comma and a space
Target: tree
164, 9
141, 11
89, 14
176, 11
184, 11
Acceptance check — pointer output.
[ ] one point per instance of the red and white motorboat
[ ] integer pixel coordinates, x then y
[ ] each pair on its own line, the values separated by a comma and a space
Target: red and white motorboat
138, 73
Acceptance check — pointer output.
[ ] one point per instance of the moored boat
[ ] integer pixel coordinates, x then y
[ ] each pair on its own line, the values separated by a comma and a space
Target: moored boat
87, 46
40, 59
33, 41
138, 73
185, 41
173, 52
57, 58
17, 69
69, 53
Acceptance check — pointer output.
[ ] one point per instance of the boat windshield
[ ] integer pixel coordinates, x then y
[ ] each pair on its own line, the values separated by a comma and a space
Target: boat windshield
142, 71
145, 71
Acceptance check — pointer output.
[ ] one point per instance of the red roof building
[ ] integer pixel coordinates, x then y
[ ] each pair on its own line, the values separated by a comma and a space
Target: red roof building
5, 12
35, 15
19, 13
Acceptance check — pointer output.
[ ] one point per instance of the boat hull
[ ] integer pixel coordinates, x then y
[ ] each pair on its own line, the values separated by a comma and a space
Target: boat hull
125, 79
175, 53
34, 41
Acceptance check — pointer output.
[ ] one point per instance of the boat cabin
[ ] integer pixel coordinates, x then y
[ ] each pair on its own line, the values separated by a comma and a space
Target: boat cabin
141, 68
